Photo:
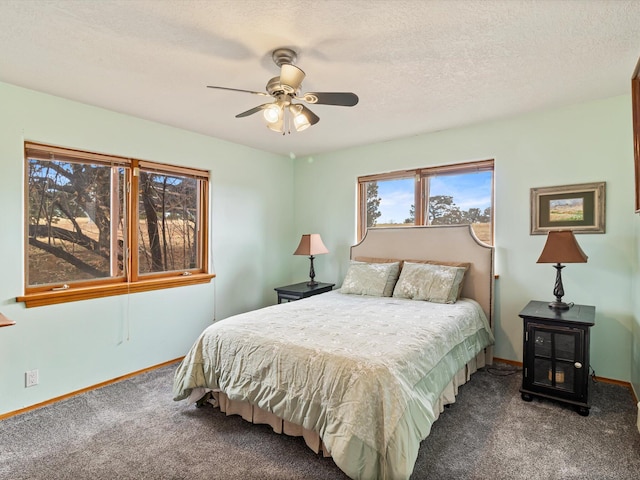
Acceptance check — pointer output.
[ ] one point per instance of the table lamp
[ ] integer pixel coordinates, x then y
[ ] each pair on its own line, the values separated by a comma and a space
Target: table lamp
5, 322
311, 244
561, 247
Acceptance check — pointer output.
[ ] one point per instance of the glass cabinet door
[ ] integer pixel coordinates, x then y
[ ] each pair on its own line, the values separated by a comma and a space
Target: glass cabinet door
555, 354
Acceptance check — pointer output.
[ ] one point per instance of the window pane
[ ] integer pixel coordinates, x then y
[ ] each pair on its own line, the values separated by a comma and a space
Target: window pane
168, 227
75, 220
463, 198
391, 203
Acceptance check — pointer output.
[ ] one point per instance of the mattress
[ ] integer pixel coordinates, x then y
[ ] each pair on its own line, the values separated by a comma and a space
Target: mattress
366, 373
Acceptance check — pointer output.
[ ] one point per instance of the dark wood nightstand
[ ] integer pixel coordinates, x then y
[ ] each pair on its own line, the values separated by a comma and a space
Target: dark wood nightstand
556, 353
301, 290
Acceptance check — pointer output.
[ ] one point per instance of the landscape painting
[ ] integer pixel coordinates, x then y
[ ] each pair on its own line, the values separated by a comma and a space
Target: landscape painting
566, 210
568, 207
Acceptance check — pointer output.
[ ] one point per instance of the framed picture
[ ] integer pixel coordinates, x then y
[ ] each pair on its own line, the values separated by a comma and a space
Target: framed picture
568, 207
635, 107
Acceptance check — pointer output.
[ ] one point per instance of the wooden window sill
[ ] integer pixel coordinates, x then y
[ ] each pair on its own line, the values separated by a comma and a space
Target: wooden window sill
84, 293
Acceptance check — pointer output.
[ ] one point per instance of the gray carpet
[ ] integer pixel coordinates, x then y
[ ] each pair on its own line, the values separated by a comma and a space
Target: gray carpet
133, 430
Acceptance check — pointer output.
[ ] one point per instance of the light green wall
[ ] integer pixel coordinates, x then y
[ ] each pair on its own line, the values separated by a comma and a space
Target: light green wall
255, 229
75, 345
588, 142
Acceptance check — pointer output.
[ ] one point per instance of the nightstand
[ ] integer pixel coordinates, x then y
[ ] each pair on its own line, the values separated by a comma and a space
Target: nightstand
301, 290
556, 353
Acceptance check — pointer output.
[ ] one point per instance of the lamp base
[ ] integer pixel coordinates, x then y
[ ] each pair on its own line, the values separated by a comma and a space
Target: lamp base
560, 305
312, 275
558, 291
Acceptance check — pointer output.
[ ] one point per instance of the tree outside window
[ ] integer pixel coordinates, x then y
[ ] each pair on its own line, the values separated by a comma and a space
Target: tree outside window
448, 195
97, 221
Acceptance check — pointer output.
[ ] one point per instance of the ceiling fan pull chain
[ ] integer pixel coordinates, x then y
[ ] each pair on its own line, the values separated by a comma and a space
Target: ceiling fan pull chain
287, 119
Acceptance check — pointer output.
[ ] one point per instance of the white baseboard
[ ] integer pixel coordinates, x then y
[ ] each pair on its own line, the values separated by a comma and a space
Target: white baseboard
638, 416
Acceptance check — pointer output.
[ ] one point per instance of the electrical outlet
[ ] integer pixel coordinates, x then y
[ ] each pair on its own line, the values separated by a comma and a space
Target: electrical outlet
31, 378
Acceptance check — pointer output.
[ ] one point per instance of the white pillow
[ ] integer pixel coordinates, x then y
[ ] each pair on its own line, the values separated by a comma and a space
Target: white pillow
374, 279
434, 283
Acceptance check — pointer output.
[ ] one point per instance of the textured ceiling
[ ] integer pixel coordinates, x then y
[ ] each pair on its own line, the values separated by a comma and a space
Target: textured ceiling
417, 66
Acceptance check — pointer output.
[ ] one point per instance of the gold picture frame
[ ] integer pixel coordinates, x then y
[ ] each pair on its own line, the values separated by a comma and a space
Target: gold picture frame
580, 208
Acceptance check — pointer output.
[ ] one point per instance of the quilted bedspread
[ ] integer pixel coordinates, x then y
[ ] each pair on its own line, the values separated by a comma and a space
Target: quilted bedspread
363, 372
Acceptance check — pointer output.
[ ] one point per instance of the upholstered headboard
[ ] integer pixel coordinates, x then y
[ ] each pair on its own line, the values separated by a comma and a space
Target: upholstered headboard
447, 243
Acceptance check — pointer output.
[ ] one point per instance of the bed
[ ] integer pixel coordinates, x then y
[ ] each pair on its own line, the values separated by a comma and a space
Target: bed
361, 372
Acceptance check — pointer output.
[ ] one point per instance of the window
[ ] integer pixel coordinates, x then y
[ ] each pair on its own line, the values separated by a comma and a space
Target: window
447, 195
99, 225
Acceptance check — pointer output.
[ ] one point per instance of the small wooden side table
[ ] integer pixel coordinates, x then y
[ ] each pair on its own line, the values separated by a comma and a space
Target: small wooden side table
556, 353
297, 291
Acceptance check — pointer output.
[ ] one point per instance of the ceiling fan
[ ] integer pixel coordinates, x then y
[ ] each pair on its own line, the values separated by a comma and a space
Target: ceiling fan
285, 89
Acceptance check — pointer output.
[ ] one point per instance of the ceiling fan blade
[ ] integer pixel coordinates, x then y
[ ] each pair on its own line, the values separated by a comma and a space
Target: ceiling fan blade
291, 78
253, 110
239, 90
343, 99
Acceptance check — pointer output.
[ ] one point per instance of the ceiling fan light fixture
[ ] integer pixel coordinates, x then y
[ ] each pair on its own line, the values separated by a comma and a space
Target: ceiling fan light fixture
273, 113
282, 115
301, 123
300, 120
277, 126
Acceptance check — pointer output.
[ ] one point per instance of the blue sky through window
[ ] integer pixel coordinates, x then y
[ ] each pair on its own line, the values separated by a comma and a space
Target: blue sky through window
469, 190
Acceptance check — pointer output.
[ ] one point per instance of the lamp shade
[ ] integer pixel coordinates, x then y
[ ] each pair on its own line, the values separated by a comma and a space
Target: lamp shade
562, 247
311, 244
5, 322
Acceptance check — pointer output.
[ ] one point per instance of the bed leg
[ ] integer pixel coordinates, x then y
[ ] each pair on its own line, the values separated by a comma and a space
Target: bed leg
204, 400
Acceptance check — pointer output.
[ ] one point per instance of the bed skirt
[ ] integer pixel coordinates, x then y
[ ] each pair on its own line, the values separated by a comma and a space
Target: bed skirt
257, 415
